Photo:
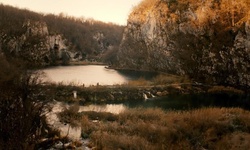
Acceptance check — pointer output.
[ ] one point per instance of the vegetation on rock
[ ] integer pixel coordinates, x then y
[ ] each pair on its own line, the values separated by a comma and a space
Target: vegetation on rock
206, 40
30, 36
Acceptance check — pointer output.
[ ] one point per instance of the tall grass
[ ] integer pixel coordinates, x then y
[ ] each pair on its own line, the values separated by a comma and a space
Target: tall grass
169, 79
223, 89
139, 82
162, 79
154, 129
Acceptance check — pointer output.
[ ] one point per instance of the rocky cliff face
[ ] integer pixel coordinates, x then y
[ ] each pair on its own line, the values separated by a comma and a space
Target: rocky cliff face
35, 45
207, 40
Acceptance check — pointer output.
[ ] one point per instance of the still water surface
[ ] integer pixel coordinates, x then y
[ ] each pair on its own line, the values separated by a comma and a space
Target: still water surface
175, 102
87, 75
92, 75
193, 101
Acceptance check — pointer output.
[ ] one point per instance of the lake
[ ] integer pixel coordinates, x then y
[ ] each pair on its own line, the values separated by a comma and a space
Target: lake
92, 75
193, 101
175, 102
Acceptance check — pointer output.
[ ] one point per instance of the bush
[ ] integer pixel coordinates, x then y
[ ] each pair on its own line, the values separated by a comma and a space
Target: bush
22, 113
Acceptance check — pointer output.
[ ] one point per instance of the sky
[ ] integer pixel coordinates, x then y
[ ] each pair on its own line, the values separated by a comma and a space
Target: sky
115, 11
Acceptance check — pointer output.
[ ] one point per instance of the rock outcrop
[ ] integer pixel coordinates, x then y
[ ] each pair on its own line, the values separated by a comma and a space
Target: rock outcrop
206, 40
35, 44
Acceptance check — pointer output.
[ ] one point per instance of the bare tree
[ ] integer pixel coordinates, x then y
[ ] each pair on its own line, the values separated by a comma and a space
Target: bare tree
22, 110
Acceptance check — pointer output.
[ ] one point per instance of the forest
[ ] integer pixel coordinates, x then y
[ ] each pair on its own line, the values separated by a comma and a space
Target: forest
79, 33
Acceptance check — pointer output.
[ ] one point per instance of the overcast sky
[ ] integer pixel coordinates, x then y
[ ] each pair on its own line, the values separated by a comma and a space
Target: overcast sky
115, 11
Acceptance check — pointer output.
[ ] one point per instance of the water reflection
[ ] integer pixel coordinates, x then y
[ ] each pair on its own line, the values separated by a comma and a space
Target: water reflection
133, 75
193, 101
112, 108
175, 102
53, 120
75, 133
92, 75
87, 75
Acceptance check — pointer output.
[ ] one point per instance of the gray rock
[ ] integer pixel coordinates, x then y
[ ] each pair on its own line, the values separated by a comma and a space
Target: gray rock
193, 39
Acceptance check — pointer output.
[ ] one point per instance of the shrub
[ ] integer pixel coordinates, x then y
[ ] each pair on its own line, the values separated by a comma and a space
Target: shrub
22, 112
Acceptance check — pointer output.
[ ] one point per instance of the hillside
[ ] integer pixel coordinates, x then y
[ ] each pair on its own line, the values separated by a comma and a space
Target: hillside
207, 40
46, 39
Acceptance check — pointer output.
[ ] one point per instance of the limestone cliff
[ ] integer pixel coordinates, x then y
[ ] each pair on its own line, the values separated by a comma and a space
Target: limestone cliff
35, 44
209, 40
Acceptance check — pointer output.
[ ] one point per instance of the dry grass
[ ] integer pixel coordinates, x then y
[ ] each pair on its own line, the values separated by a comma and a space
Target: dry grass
170, 79
162, 79
223, 89
208, 128
138, 82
